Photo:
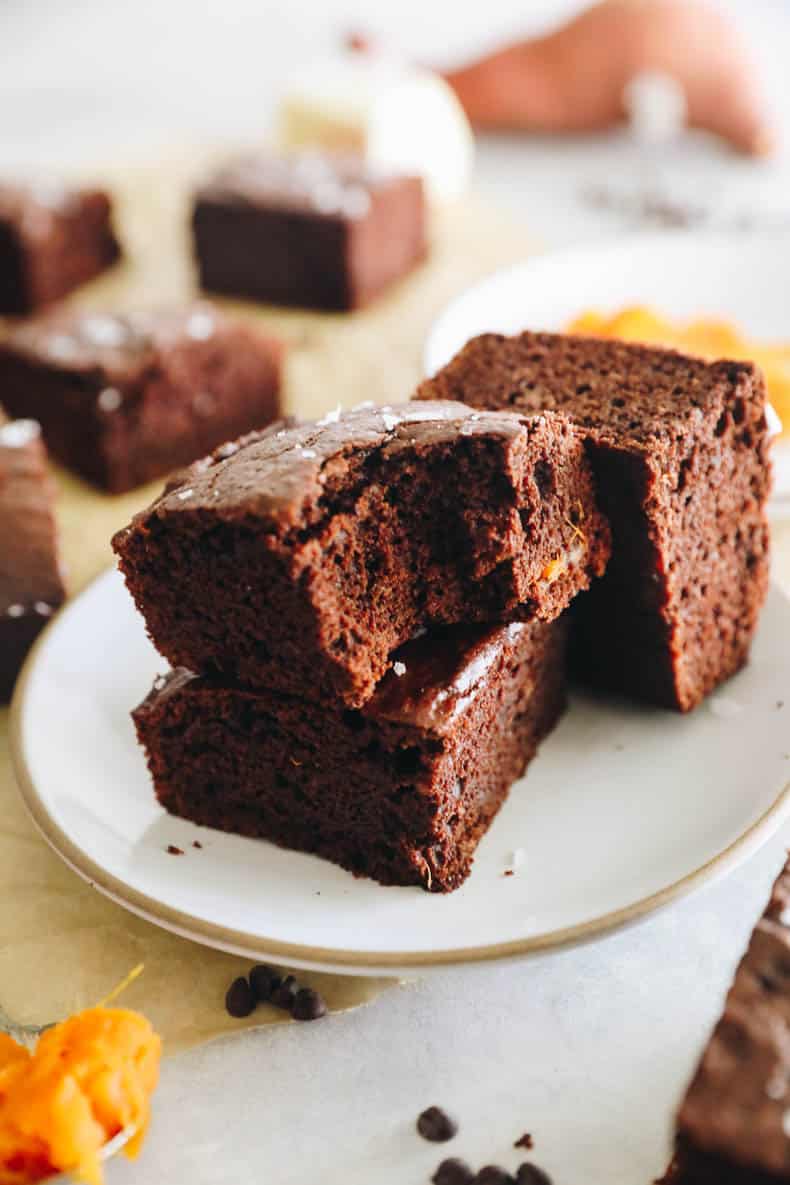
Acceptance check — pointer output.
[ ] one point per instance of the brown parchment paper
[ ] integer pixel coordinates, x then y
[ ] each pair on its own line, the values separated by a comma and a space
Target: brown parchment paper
62, 945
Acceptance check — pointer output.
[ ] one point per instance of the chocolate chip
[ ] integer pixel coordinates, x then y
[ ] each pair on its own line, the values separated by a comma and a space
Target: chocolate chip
436, 1125
453, 1172
264, 982
240, 998
285, 994
308, 1005
492, 1174
530, 1174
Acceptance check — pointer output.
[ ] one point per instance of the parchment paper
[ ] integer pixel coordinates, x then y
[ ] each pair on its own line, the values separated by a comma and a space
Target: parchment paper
62, 945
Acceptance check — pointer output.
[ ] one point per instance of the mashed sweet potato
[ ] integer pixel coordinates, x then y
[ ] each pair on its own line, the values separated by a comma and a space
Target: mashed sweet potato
88, 1079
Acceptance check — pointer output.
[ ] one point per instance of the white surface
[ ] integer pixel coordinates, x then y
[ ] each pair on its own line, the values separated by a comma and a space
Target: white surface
679, 274
622, 804
589, 1049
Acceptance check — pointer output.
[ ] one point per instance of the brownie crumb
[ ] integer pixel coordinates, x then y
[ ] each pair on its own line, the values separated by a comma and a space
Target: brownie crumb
436, 1125
172, 850
285, 994
508, 872
530, 1174
453, 1172
240, 999
525, 1141
492, 1174
264, 982
308, 1005
196, 843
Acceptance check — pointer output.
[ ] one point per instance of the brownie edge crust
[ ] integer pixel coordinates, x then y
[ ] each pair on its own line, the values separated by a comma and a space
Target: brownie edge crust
401, 791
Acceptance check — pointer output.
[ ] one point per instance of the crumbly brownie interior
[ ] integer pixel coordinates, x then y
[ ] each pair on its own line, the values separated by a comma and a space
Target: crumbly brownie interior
680, 451
307, 556
401, 791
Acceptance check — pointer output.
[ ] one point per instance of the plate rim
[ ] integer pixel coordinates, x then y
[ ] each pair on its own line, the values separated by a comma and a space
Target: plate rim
602, 245
335, 959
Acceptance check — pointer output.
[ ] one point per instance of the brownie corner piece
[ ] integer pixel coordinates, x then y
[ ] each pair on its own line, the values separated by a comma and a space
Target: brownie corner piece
124, 398
732, 1127
680, 449
309, 229
53, 238
402, 790
302, 558
31, 581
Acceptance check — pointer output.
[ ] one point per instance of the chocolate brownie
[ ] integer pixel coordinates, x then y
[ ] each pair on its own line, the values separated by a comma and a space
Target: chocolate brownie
401, 790
31, 583
301, 558
127, 397
733, 1127
52, 239
680, 451
313, 230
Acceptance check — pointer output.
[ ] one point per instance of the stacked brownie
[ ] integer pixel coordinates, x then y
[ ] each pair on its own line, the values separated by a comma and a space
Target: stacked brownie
363, 616
679, 447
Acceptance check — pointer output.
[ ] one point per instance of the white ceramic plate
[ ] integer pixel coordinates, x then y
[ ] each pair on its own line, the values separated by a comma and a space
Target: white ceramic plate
625, 809
681, 274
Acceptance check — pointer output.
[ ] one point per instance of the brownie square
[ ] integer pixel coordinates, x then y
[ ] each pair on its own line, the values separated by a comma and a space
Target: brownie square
680, 449
310, 230
124, 398
299, 559
52, 239
31, 582
733, 1127
401, 791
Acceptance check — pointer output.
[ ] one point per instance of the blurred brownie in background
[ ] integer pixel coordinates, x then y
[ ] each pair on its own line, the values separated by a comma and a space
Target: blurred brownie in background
52, 239
401, 791
124, 398
31, 583
310, 229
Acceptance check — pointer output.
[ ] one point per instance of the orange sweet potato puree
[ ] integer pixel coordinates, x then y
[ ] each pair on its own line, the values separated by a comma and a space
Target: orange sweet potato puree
88, 1078
706, 336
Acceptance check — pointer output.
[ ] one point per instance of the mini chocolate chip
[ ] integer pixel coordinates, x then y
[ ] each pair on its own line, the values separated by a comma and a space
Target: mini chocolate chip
525, 1141
492, 1174
435, 1125
240, 998
453, 1172
308, 1005
285, 993
530, 1174
264, 981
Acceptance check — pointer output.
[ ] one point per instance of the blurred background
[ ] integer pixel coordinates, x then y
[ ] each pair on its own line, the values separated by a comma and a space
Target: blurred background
87, 82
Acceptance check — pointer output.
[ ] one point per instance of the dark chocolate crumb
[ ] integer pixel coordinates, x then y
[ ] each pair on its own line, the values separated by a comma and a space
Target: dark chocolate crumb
264, 982
508, 872
285, 993
240, 998
308, 1005
492, 1174
530, 1174
453, 1172
172, 850
196, 843
435, 1125
525, 1141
